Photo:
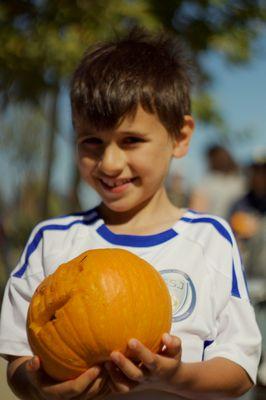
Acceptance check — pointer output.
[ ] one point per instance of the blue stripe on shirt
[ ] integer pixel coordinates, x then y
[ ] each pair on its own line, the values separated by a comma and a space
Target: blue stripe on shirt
134, 240
216, 224
234, 290
206, 343
39, 235
225, 234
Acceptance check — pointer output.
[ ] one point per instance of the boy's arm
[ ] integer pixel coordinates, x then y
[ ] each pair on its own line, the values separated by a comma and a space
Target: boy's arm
213, 379
29, 382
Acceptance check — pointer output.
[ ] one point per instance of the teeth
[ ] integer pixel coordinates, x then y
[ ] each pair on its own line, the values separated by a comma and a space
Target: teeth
114, 183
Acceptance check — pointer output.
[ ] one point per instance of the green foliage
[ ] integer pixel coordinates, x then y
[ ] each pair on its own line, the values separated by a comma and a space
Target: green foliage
205, 24
207, 111
42, 41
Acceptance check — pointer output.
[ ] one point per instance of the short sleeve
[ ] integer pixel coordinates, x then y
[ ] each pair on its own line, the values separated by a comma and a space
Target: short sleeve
238, 337
18, 292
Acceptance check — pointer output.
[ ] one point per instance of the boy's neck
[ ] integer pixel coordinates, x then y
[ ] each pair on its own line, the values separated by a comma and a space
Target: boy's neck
154, 216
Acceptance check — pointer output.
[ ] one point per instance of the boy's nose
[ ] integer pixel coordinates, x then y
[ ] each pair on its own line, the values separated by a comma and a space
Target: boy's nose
112, 161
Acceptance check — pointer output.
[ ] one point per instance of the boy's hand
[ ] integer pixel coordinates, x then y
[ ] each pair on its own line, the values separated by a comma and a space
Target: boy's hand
88, 385
154, 371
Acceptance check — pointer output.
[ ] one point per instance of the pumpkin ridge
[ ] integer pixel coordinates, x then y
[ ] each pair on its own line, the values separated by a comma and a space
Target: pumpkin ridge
56, 330
74, 331
60, 360
122, 274
90, 333
143, 321
93, 336
105, 347
86, 268
133, 308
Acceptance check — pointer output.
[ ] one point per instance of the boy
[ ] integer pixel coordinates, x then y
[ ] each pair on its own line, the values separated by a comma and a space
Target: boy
131, 113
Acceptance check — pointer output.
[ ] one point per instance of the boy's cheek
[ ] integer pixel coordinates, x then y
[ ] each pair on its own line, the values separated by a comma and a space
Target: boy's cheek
85, 165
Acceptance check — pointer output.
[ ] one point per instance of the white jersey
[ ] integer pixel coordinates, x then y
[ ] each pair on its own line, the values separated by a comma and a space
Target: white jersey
197, 257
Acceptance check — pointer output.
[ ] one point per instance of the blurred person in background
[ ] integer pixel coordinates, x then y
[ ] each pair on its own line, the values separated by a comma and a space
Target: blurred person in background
222, 185
248, 220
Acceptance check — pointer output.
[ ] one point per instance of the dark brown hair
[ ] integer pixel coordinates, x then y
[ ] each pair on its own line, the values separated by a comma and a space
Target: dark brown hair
114, 77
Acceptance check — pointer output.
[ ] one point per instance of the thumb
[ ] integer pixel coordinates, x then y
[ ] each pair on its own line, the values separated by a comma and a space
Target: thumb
172, 346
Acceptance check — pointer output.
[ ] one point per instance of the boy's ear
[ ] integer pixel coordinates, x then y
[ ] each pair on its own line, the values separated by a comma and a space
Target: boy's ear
181, 143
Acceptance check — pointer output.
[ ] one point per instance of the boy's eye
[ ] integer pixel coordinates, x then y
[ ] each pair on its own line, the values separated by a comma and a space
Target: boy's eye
91, 141
90, 146
133, 140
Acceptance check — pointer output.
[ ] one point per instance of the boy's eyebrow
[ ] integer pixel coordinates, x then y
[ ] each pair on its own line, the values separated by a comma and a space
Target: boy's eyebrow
134, 132
83, 133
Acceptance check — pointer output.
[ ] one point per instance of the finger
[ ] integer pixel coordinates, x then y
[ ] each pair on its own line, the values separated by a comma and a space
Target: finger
98, 387
143, 354
104, 391
118, 382
127, 366
74, 387
33, 364
172, 346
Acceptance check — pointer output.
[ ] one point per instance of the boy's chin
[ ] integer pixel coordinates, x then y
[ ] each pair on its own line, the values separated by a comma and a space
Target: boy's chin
116, 208
122, 207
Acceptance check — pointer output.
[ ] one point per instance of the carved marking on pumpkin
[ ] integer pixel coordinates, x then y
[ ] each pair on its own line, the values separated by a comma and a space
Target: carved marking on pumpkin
53, 317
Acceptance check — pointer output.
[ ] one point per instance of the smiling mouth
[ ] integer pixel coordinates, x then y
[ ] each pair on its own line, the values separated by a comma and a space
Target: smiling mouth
118, 183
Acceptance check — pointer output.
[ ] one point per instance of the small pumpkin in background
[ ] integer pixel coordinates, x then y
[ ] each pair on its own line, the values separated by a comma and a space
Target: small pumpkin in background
93, 305
244, 224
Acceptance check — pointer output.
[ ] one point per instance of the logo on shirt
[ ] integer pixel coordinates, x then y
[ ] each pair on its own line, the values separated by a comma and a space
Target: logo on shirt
182, 293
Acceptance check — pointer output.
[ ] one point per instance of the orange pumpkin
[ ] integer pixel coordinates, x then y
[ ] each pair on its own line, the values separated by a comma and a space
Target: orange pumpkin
244, 224
93, 305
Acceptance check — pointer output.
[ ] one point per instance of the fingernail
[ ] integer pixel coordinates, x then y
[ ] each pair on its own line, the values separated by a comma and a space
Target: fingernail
31, 363
115, 357
166, 337
133, 344
95, 370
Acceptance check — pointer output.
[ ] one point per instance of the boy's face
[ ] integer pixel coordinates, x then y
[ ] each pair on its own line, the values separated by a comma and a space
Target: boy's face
127, 166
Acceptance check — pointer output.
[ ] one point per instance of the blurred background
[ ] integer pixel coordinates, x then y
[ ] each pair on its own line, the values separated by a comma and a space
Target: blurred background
225, 171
